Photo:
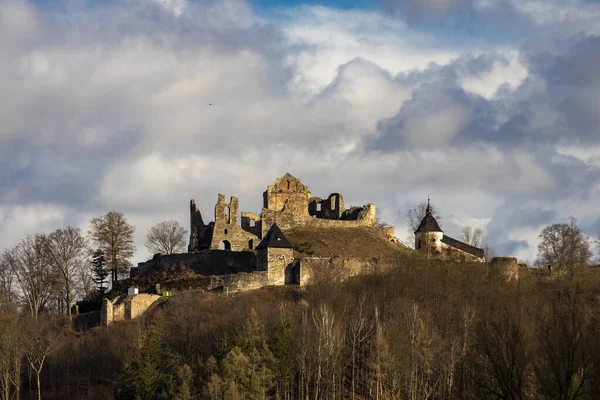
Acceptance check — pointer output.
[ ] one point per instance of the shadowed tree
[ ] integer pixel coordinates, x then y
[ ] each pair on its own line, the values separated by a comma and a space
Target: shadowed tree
99, 271
41, 337
114, 236
167, 237
67, 252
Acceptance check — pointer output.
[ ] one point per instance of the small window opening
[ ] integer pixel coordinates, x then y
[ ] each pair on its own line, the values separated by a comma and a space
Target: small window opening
318, 206
278, 239
250, 244
288, 185
252, 223
227, 214
225, 231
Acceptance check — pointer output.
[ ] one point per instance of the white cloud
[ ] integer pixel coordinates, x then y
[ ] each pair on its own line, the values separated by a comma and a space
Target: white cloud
111, 112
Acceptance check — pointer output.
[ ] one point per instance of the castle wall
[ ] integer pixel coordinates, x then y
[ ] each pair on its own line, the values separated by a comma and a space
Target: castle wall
227, 230
330, 208
334, 267
277, 195
295, 214
207, 262
240, 283
248, 219
200, 234
279, 263
504, 268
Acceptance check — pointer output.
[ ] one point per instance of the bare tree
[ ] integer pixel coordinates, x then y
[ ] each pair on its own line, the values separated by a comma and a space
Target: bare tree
114, 236
166, 237
32, 271
11, 353
475, 237
40, 339
67, 252
414, 216
563, 245
6, 283
472, 236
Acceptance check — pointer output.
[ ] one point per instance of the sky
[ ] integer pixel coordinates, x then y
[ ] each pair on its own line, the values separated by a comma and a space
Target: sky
492, 108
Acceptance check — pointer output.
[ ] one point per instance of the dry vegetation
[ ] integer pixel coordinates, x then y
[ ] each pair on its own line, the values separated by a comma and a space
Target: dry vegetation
360, 242
418, 331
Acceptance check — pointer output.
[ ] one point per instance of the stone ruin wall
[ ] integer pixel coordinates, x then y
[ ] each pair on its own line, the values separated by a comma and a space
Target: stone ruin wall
207, 262
227, 228
506, 268
295, 214
336, 268
125, 307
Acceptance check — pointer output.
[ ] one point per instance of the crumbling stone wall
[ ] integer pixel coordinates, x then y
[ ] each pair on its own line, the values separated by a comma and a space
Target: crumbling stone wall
335, 268
251, 223
207, 262
295, 214
277, 195
200, 233
227, 230
242, 282
279, 264
330, 208
125, 307
504, 268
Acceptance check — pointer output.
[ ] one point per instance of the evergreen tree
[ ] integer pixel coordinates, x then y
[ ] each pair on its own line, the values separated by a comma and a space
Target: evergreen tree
153, 374
99, 270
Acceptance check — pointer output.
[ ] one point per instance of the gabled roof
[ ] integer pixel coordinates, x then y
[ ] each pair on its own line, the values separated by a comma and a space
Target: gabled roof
467, 248
275, 238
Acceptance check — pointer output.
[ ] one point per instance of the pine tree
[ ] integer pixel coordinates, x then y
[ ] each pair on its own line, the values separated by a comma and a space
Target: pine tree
153, 374
99, 270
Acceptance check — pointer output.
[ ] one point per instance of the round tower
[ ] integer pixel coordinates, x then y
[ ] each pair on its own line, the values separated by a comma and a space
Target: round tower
428, 236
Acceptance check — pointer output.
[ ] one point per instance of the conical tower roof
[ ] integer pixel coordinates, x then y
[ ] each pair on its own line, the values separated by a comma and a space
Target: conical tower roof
275, 238
428, 223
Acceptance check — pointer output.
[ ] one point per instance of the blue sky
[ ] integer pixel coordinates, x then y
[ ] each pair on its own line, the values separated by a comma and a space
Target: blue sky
492, 108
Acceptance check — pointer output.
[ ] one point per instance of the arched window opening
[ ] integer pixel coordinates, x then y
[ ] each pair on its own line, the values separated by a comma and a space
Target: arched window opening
289, 184
225, 245
227, 215
225, 232
252, 223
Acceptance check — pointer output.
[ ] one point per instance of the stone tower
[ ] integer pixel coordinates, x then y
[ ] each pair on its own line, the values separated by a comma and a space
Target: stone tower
429, 235
275, 254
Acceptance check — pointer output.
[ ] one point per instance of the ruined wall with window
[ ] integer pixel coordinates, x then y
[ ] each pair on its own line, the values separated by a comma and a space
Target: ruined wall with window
287, 203
227, 233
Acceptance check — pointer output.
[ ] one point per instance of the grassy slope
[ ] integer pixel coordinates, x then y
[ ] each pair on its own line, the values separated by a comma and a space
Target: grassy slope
360, 242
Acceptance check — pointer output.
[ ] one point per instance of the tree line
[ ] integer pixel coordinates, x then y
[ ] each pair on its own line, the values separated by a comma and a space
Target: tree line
44, 274
420, 330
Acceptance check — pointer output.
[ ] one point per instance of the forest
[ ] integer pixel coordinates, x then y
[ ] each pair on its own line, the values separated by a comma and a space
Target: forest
421, 330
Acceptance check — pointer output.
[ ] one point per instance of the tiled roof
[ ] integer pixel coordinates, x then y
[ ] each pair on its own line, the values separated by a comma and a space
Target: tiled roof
467, 248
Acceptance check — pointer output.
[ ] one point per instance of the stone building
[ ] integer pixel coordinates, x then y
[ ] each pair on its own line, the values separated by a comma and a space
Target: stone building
286, 203
430, 239
275, 254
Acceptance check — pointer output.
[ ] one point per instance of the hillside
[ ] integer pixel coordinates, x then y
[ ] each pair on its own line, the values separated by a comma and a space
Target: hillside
359, 242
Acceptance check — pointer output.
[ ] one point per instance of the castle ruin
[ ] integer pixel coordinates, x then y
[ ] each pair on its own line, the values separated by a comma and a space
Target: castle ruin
286, 203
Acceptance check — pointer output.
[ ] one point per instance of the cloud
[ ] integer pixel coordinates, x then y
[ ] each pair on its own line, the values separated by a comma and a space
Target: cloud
107, 108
